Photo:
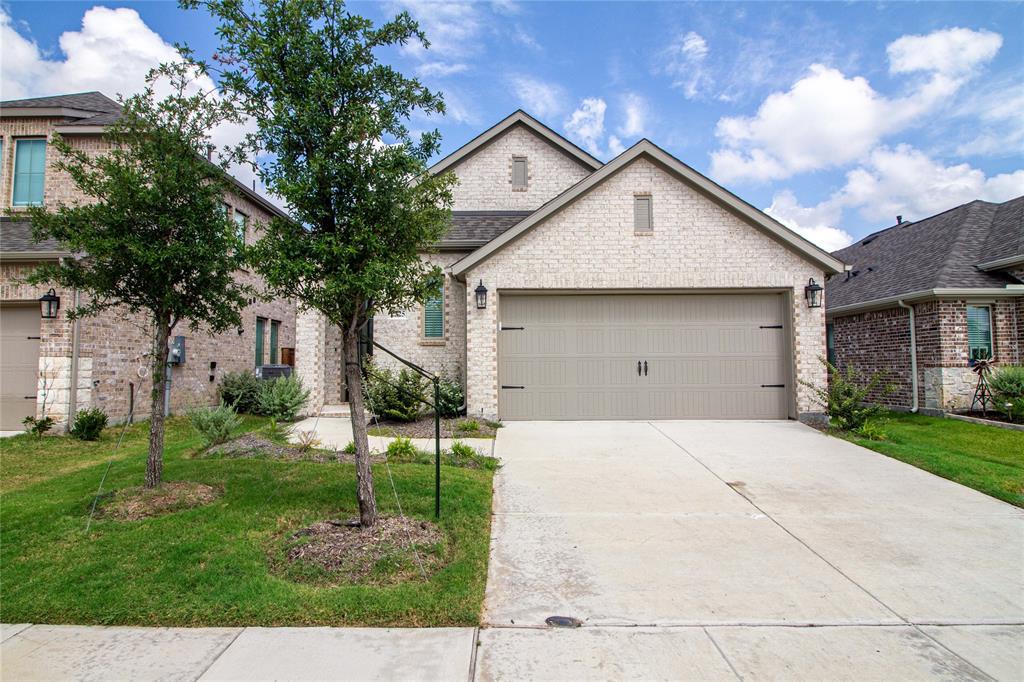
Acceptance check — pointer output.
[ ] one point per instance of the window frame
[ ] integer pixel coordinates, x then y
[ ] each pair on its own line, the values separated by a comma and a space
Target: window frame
275, 338
526, 173
440, 299
991, 331
244, 225
638, 199
830, 343
260, 345
14, 172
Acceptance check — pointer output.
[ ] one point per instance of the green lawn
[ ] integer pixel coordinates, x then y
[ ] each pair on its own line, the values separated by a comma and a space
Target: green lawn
209, 565
986, 458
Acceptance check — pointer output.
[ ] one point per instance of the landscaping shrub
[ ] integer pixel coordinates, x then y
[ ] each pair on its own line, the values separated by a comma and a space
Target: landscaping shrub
462, 455
282, 398
845, 398
350, 448
37, 427
214, 424
89, 424
402, 450
451, 398
240, 390
400, 398
1007, 384
468, 425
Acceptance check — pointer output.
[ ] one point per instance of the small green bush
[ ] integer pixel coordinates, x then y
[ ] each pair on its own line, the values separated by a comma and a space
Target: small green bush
462, 455
845, 398
276, 432
401, 398
282, 398
1007, 385
240, 390
450, 398
350, 449
89, 424
871, 430
214, 424
468, 425
37, 427
491, 424
402, 450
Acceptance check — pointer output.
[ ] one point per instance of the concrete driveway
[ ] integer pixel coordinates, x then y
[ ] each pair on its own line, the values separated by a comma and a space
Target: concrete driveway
758, 549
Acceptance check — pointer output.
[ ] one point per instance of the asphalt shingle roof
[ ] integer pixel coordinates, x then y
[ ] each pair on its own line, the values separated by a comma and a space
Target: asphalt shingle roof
479, 227
940, 252
16, 237
104, 110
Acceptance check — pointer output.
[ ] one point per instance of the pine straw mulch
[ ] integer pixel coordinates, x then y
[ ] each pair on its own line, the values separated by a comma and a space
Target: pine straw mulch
424, 428
133, 504
342, 552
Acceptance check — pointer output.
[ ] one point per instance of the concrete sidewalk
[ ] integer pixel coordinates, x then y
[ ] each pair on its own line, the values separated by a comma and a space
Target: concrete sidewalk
63, 652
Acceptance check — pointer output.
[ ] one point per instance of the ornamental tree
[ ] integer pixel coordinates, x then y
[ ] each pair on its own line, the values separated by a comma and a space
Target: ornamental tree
333, 120
152, 235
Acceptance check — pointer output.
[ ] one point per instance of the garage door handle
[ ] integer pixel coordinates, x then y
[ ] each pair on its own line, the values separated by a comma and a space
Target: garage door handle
770, 326
645, 368
503, 386
773, 385
30, 397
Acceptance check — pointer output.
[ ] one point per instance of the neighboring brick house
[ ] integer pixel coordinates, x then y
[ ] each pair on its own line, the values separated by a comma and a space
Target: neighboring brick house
106, 357
960, 278
628, 290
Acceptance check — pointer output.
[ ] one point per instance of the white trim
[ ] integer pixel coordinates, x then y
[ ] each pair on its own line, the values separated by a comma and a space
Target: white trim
759, 219
47, 112
1000, 263
519, 117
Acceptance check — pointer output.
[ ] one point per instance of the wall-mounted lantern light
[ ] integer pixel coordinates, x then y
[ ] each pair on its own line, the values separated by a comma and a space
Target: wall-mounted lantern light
481, 296
49, 304
812, 292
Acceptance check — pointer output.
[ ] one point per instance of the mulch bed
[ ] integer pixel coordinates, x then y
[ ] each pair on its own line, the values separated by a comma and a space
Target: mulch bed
132, 504
344, 552
424, 428
252, 445
991, 415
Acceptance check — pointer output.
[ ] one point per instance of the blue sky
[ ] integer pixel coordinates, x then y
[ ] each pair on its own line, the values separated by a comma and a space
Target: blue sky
832, 117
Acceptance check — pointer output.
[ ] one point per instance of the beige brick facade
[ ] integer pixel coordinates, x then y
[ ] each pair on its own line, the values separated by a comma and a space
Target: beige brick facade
485, 178
591, 245
114, 346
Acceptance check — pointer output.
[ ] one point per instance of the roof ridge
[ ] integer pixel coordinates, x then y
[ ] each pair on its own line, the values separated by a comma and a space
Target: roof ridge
965, 237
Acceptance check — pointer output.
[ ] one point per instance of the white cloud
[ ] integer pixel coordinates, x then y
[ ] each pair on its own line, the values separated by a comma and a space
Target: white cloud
997, 106
586, 123
452, 28
827, 119
816, 223
523, 37
953, 51
540, 98
615, 146
440, 68
636, 112
894, 181
112, 53
683, 61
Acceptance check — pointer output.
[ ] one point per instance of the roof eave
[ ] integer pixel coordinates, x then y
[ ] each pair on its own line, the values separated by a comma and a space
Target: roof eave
518, 117
14, 256
829, 263
1002, 263
46, 112
1009, 291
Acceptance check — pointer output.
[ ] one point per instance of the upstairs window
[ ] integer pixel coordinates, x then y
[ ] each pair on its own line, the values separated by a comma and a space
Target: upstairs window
642, 219
979, 332
29, 169
519, 175
433, 314
241, 223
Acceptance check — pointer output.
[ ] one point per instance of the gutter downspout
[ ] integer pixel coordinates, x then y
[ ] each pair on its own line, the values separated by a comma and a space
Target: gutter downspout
913, 356
75, 352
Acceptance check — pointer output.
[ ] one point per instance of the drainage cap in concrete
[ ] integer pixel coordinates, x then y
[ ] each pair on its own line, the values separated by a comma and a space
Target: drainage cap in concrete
563, 621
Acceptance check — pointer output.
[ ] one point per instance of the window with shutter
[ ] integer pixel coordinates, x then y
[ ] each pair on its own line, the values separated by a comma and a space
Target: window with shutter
979, 332
433, 315
519, 175
642, 214
29, 170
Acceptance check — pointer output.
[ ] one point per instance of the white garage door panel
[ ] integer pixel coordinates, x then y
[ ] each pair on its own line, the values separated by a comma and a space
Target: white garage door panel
19, 364
707, 356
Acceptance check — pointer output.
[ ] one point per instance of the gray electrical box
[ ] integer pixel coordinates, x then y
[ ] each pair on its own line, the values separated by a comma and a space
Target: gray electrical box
176, 356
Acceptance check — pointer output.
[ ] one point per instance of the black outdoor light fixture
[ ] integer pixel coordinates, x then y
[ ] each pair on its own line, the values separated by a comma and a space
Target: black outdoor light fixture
49, 304
481, 296
813, 293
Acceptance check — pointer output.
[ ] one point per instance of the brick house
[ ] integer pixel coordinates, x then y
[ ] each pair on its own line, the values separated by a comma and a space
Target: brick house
633, 289
934, 295
104, 358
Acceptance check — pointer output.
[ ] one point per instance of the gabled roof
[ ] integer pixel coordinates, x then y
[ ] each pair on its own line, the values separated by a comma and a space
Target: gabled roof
472, 229
646, 148
518, 117
16, 242
940, 252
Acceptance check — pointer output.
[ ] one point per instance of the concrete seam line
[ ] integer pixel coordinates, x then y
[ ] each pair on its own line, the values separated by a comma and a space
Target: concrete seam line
786, 530
722, 654
19, 632
955, 654
221, 653
475, 644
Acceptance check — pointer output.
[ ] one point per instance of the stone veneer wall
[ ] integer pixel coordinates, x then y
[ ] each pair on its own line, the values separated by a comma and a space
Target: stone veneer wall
880, 341
485, 177
591, 244
115, 343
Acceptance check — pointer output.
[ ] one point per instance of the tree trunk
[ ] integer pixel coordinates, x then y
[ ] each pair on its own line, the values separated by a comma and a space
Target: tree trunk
364, 475
155, 462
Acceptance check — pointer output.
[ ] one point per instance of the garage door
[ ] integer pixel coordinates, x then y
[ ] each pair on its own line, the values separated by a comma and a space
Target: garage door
649, 356
19, 364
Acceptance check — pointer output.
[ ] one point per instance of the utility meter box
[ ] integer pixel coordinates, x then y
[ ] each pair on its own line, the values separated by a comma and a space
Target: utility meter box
176, 356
